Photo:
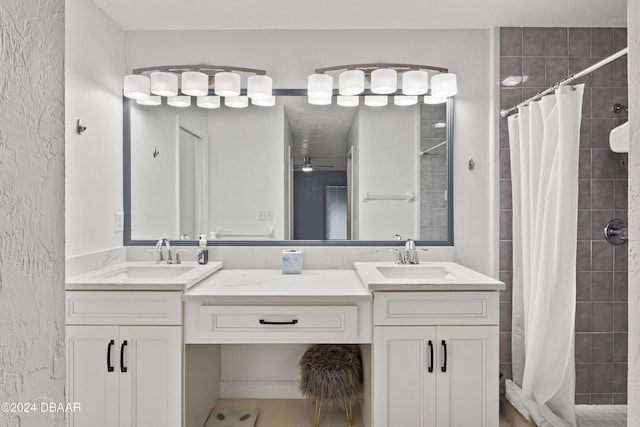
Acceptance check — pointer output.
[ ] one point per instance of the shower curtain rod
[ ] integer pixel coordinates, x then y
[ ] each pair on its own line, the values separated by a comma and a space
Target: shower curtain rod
506, 112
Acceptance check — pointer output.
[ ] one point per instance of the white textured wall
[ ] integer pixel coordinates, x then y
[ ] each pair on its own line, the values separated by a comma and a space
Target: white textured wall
94, 68
633, 384
31, 207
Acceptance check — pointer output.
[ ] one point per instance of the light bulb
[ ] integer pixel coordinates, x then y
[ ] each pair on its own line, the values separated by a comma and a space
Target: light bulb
227, 84
259, 87
195, 83
384, 80
136, 86
164, 84
210, 101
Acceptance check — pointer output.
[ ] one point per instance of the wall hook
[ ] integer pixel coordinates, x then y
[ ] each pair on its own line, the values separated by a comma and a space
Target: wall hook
80, 127
472, 164
156, 152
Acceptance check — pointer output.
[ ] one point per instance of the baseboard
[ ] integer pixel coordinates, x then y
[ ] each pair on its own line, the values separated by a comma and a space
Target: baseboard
260, 390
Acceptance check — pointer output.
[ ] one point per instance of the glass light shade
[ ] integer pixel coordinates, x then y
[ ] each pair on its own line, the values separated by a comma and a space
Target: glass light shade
150, 100
444, 85
267, 102
415, 82
136, 86
384, 80
209, 101
428, 99
307, 168
348, 100
259, 87
320, 86
179, 101
351, 82
405, 99
323, 100
236, 101
375, 100
164, 84
227, 84
195, 83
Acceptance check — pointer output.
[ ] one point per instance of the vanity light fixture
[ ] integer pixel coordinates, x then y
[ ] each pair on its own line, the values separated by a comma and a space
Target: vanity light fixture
209, 101
179, 101
383, 80
266, 102
428, 99
405, 100
376, 100
201, 81
150, 100
348, 100
236, 101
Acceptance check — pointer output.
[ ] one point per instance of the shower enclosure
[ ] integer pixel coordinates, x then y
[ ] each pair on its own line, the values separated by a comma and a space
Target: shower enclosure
540, 57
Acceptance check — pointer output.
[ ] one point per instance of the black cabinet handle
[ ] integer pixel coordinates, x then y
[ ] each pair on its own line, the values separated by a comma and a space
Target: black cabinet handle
109, 367
264, 322
444, 364
430, 368
122, 367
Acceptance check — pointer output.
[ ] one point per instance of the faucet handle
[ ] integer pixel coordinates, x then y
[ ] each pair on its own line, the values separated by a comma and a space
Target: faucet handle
177, 252
399, 258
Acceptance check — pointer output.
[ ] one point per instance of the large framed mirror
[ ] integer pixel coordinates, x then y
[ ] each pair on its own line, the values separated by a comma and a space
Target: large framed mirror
289, 174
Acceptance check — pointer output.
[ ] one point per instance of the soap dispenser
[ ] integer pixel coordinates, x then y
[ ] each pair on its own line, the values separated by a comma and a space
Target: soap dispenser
203, 251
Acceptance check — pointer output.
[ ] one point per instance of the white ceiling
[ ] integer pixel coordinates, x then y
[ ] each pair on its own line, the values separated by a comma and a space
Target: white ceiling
361, 14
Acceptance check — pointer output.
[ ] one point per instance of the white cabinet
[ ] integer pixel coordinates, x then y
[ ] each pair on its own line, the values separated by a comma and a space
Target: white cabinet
428, 376
123, 375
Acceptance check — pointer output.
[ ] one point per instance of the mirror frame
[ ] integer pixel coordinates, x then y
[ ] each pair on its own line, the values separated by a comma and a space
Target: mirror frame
127, 241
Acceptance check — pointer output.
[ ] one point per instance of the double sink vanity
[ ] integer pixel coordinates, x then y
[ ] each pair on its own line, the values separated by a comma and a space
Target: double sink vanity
144, 339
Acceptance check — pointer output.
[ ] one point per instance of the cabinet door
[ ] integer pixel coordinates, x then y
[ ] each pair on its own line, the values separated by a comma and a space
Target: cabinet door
468, 388
150, 367
404, 391
90, 381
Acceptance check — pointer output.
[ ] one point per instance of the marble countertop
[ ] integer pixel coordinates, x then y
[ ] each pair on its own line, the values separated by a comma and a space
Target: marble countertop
455, 277
114, 278
272, 285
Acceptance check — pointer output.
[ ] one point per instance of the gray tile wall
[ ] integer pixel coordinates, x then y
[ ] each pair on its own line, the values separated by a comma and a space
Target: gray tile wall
545, 56
433, 173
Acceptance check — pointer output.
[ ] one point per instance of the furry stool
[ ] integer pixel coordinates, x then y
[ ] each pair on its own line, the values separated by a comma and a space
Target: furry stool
331, 374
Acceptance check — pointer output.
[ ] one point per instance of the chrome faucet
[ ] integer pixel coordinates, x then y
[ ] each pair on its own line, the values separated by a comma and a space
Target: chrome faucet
410, 252
158, 248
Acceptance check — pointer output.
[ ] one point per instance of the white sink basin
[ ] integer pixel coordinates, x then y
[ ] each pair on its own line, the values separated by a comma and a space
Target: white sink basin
144, 276
387, 276
147, 272
427, 272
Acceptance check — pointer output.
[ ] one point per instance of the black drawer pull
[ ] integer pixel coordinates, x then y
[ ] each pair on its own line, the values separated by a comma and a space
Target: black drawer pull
265, 322
122, 367
109, 367
430, 369
444, 365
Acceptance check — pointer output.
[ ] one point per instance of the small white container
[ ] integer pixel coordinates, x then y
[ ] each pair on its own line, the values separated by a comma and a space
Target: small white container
292, 261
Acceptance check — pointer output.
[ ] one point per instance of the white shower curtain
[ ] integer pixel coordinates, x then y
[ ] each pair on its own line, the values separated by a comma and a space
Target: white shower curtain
544, 139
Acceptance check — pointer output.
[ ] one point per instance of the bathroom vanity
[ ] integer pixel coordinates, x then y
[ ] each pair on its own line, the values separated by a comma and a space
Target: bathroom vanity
147, 351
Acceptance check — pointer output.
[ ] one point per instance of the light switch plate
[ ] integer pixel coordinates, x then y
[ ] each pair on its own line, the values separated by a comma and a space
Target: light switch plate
118, 222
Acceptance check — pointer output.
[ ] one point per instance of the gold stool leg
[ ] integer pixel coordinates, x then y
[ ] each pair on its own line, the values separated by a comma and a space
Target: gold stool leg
317, 415
349, 409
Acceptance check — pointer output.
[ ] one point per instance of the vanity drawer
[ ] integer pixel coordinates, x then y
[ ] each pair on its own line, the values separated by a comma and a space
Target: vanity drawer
277, 324
123, 308
436, 308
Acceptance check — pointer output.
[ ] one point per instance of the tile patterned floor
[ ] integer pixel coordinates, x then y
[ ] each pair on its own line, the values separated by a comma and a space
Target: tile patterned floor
601, 415
292, 412
298, 412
